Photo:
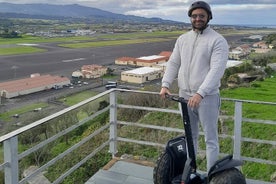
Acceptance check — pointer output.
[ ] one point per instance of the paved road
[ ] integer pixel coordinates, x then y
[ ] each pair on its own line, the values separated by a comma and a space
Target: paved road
63, 61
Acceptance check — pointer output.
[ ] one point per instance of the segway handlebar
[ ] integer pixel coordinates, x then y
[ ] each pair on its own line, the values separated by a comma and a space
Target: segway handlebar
176, 98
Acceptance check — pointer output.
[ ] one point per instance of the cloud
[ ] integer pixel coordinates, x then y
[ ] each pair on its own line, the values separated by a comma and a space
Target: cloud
164, 12
241, 1
243, 7
225, 11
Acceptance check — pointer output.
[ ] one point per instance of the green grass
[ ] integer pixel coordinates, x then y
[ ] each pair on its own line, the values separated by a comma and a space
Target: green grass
20, 50
111, 43
9, 46
259, 90
76, 98
6, 116
33, 39
160, 34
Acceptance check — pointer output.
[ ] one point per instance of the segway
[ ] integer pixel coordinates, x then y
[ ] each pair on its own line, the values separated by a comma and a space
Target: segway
177, 164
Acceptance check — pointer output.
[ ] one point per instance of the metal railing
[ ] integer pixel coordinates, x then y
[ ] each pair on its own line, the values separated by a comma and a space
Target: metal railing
12, 156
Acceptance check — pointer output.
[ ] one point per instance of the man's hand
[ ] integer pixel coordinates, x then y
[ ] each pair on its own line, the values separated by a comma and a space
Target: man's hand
195, 100
164, 91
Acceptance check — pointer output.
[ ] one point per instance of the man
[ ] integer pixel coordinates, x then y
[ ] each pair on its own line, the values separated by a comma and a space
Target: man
198, 61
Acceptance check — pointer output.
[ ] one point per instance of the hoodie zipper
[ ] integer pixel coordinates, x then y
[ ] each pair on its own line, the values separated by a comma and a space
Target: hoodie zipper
191, 59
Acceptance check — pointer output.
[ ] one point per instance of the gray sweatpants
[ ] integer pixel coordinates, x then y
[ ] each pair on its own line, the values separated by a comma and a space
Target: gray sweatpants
207, 114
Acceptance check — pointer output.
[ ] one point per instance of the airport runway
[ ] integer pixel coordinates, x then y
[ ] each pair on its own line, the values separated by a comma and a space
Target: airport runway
62, 61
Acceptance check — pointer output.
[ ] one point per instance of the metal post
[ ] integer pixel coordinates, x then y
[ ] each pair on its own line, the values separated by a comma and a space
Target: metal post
11, 157
237, 130
113, 123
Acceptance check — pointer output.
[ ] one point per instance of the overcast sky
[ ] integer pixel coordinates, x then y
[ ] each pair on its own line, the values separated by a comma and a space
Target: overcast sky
224, 11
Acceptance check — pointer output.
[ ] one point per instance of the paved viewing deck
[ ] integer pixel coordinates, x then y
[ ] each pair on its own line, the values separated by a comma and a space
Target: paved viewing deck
131, 172
123, 172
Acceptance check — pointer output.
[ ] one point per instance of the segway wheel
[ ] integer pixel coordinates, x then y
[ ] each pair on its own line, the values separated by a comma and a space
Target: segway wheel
162, 170
229, 176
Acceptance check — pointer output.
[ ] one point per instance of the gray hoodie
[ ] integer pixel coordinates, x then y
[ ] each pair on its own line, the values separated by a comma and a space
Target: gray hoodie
198, 61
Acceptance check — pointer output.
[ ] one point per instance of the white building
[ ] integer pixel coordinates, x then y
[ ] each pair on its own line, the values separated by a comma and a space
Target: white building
142, 75
232, 63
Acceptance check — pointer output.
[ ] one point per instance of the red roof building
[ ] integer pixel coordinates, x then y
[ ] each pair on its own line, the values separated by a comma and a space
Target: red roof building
146, 61
30, 85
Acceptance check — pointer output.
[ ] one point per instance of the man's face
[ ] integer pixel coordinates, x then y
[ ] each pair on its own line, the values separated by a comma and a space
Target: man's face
199, 18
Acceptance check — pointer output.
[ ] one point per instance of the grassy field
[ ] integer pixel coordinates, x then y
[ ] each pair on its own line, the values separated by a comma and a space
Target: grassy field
111, 43
258, 90
70, 100
14, 50
6, 116
34, 39
10, 46
76, 98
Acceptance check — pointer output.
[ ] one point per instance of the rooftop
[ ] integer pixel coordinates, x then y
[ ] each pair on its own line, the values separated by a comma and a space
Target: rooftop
152, 57
142, 70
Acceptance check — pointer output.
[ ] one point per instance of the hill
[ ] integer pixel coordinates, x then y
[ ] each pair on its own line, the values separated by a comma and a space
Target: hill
73, 11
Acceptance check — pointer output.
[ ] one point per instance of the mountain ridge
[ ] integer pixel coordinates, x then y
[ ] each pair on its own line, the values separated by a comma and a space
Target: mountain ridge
73, 11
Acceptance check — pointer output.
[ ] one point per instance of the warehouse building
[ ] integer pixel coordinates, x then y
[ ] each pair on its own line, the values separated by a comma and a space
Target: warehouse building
145, 61
33, 84
151, 67
141, 75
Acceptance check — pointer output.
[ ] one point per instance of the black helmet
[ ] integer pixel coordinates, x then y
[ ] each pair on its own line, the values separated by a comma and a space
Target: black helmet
200, 4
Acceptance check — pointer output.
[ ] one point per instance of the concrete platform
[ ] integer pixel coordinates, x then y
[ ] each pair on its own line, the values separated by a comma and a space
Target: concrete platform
134, 172
123, 172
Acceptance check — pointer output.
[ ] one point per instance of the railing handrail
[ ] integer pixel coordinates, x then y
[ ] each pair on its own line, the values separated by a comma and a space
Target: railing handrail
48, 118
43, 120
10, 140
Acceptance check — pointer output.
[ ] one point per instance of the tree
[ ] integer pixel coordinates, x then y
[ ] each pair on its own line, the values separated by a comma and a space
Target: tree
269, 38
9, 34
138, 99
103, 104
109, 71
261, 60
234, 79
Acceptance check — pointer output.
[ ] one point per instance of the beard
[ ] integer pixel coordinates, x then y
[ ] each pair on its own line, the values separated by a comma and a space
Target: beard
199, 25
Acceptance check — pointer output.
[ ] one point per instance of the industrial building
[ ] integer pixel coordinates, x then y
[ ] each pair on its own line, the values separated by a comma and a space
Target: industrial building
151, 67
147, 61
141, 75
30, 85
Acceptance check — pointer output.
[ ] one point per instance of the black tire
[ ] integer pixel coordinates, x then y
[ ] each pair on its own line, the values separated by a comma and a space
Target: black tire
162, 170
229, 176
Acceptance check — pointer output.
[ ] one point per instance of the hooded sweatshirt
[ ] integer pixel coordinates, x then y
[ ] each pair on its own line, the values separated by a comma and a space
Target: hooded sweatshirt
198, 61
